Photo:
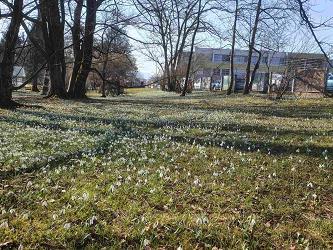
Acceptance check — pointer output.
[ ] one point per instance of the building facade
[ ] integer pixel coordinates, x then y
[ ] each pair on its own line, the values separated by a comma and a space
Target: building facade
211, 67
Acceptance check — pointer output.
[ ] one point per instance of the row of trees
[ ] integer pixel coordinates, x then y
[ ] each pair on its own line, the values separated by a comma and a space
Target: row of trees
260, 26
68, 38
61, 37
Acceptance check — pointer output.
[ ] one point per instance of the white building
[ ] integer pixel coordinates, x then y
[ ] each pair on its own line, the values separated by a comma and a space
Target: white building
18, 76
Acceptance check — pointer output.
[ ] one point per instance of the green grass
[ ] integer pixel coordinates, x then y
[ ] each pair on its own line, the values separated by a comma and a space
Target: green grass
152, 169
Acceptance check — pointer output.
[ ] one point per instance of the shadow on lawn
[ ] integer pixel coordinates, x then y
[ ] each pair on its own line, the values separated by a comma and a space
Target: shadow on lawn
157, 123
131, 129
315, 112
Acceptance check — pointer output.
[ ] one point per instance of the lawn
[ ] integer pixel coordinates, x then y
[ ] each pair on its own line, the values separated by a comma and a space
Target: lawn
157, 171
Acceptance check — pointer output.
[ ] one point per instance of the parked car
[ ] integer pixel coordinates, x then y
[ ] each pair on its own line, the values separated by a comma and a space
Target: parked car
329, 85
216, 86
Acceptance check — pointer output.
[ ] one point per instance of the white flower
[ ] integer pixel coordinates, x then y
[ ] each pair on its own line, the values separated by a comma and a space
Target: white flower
67, 225
309, 185
92, 220
112, 188
202, 220
146, 242
85, 196
4, 224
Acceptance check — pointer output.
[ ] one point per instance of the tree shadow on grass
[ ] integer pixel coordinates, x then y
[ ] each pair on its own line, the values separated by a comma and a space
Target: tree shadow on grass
173, 124
223, 141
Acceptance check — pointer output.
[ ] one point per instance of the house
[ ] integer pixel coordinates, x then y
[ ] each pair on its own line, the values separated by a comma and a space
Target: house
212, 67
18, 76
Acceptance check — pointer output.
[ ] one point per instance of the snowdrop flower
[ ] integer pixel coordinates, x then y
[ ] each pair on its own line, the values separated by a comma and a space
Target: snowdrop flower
67, 225
92, 220
112, 188
146, 242
309, 185
4, 224
196, 181
85, 196
202, 220
25, 216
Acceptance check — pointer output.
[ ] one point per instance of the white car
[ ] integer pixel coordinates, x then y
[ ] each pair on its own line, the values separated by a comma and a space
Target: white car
216, 85
329, 85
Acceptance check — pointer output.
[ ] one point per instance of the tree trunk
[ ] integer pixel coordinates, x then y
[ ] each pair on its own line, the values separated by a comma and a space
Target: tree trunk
191, 52
231, 87
53, 33
34, 87
251, 47
8, 60
105, 64
46, 83
87, 48
256, 67
76, 33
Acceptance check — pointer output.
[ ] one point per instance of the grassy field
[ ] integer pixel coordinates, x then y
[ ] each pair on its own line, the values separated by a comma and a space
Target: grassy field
156, 171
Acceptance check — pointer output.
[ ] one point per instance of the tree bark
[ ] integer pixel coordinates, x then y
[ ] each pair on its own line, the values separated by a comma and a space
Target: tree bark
8, 60
231, 87
87, 50
105, 64
53, 33
76, 34
191, 52
34, 87
256, 67
251, 47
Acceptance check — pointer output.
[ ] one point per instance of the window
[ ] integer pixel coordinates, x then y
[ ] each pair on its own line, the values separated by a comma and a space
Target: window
282, 61
254, 59
264, 59
225, 72
217, 58
276, 61
226, 58
240, 59
207, 72
216, 72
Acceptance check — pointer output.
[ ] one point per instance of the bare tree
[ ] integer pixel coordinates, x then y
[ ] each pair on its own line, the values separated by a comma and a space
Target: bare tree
251, 48
312, 27
192, 49
8, 57
169, 26
53, 34
232, 83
